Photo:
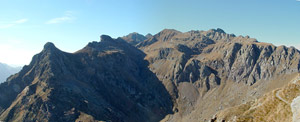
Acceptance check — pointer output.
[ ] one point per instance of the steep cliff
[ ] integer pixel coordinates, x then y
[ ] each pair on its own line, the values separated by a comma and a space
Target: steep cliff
207, 71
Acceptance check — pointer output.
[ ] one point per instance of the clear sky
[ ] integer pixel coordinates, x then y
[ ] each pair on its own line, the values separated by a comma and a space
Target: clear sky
26, 25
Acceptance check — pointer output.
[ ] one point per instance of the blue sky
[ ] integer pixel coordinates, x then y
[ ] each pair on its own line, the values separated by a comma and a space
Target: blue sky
26, 25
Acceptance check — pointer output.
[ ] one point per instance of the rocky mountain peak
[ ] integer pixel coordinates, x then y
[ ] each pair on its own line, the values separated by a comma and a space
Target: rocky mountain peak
109, 44
107, 80
135, 35
134, 38
219, 30
105, 38
169, 31
149, 35
49, 46
50, 52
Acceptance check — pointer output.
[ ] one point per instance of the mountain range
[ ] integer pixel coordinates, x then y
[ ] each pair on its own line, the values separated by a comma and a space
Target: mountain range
171, 76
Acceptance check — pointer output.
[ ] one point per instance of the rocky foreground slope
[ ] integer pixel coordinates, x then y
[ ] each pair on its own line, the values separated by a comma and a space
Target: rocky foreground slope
280, 105
171, 76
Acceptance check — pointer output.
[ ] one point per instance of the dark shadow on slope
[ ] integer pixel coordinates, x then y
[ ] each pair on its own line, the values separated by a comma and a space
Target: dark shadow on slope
109, 80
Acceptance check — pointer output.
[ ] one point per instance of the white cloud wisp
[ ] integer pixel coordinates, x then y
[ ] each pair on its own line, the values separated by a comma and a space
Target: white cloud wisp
68, 16
11, 24
21, 21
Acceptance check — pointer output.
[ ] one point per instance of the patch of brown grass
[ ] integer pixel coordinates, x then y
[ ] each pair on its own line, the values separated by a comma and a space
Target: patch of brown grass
269, 108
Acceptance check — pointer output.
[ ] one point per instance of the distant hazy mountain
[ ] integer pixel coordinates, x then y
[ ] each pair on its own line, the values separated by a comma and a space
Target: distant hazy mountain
135, 38
6, 71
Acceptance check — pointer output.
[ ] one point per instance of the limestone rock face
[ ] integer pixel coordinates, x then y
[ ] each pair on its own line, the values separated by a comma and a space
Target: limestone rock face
224, 69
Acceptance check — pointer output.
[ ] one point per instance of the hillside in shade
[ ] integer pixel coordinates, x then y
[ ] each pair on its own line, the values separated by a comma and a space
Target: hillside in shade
107, 80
